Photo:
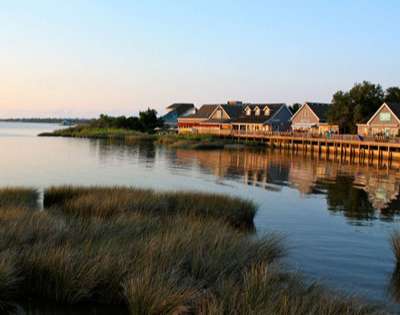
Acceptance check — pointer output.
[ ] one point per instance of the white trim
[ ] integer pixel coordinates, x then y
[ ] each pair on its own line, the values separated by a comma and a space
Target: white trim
219, 106
304, 105
377, 112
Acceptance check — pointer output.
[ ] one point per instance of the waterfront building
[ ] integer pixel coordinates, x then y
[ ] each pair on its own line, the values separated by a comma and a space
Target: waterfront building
312, 118
234, 115
385, 121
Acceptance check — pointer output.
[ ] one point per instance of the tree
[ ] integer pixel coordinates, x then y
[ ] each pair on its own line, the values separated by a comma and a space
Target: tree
295, 107
149, 120
392, 94
355, 106
340, 111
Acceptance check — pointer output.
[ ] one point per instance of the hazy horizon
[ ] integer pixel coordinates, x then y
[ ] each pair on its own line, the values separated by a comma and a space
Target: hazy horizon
80, 59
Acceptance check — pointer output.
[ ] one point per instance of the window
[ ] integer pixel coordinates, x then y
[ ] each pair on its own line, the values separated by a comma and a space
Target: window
266, 111
248, 111
257, 111
384, 117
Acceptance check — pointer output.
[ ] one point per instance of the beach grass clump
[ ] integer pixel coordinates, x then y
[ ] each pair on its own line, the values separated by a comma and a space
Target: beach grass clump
106, 202
18, 197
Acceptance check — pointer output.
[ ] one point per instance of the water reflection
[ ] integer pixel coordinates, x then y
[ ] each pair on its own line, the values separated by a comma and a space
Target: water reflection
358, 192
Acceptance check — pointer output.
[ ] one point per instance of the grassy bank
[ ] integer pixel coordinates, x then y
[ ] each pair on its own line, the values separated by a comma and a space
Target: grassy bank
154, 253
83, 131
104, 203
193, 141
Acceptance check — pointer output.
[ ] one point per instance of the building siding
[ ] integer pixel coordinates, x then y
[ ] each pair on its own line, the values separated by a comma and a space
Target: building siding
305, 116
378, 122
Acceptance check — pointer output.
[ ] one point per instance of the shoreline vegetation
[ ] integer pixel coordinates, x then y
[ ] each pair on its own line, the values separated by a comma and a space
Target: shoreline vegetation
151, 253
183, 141
143, 128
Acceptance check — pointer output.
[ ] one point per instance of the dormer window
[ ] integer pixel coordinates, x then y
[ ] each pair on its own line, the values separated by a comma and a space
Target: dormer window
248, 111
266, 111
257, 111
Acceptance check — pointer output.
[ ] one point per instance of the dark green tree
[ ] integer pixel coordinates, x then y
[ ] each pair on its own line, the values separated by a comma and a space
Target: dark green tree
355, 106
295, 107
392, 94
149, 120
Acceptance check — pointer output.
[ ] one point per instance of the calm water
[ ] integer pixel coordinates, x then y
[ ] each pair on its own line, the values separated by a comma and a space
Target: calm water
336, 218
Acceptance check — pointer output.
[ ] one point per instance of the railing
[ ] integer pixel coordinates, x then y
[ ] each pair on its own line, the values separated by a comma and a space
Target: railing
305, 135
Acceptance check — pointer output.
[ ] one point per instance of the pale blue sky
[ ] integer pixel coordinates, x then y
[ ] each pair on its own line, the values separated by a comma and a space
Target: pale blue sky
84, 57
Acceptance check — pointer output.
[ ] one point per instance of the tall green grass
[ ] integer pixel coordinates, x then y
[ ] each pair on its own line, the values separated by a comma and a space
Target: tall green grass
157, 255
106, 202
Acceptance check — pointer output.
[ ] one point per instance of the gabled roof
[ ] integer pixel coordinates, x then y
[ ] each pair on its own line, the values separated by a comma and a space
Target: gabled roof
233, 111
393, 107
204, 112
320, 109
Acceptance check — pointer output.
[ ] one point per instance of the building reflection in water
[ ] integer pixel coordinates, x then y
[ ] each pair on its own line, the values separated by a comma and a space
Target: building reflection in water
358, 192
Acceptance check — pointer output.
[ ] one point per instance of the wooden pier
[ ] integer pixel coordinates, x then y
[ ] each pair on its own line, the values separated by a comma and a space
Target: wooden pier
371, 151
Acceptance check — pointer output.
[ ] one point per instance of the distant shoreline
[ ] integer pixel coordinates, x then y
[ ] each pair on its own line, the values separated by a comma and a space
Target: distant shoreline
46, 120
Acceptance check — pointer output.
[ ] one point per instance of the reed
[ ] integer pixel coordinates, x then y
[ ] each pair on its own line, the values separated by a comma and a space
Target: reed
18, 197
106, 202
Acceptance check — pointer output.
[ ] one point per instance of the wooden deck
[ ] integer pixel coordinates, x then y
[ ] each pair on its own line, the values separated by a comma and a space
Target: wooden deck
376, 150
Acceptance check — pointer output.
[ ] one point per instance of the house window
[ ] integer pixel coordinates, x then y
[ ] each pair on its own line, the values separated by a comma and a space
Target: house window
248, 111
384, 117
266, 111
257, 111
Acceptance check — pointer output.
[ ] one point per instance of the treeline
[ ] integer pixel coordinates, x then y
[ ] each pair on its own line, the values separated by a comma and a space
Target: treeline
147, 121
357, 105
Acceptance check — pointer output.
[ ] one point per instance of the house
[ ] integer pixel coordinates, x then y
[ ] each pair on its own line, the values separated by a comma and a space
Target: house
175, 111
385, 121
211, 119
263, 117
235, 115
312, 118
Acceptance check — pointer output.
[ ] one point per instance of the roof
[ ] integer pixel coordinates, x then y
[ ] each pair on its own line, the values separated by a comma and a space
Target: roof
273, 108
394, 107
204, 112
320, 109
180, 108
234, 111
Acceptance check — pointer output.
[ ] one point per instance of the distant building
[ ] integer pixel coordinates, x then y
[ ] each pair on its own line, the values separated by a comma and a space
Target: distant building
234, 115
312, 118
385, 121
175, 111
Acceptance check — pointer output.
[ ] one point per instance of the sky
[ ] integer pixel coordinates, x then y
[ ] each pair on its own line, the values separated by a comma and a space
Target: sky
80, 58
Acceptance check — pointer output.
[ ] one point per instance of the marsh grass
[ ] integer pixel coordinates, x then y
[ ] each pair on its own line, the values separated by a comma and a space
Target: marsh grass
87, 131
106, 202
155, 253
18, 197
